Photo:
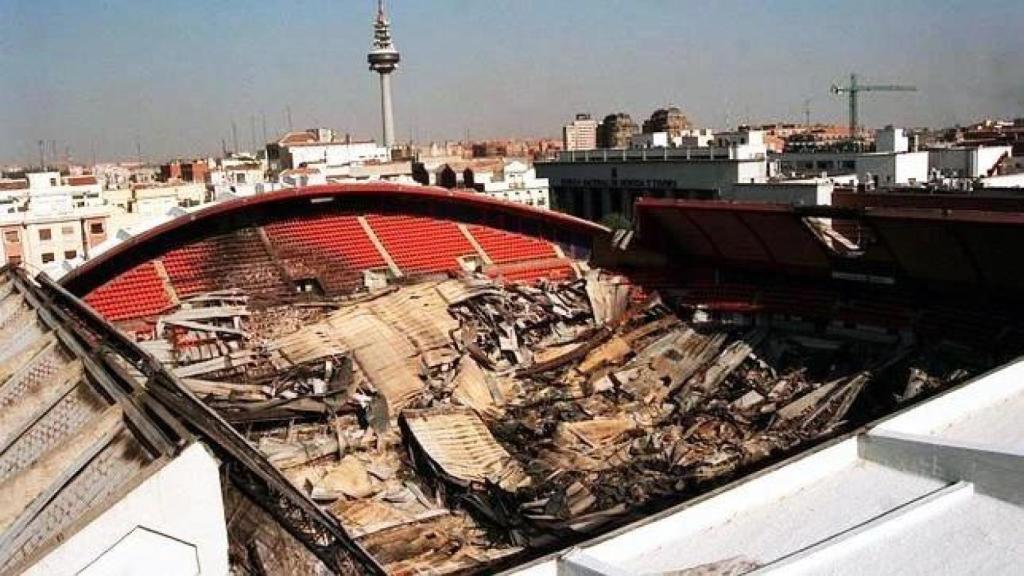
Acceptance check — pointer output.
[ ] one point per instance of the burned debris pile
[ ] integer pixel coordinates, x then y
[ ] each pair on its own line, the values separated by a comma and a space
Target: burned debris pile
449, 424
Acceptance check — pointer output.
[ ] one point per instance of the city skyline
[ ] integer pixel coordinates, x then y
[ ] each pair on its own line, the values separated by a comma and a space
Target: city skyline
102, 78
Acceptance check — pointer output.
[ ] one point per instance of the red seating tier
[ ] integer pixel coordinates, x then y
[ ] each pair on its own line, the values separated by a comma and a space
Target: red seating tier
234, 260
186, 267
135, 293
504, 247
530, 272
419, 244
338, 237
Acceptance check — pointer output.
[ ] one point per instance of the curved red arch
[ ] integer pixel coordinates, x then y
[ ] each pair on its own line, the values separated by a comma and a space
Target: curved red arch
394, 196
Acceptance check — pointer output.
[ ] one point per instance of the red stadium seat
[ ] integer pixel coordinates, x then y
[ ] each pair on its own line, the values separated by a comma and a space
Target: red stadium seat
532, 271
333, 247
133, 294
504, 247
419, 244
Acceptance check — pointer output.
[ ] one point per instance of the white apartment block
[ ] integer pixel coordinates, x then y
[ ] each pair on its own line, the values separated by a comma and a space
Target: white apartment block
47, 241
580, 134
520, 184
321, 147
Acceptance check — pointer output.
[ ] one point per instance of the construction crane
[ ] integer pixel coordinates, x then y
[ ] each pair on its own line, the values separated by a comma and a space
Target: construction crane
854, 88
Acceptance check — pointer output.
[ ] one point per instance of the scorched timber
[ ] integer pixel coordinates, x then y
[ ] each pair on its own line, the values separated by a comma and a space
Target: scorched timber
451, 424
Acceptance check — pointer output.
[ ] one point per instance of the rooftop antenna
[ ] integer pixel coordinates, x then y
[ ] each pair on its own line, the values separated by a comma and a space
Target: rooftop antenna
42, 155
807, 112
234, 137
288, 116
252, 131
138, 149
263, 119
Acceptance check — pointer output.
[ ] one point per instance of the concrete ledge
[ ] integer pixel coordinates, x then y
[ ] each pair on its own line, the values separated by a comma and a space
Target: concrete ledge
889, 524
981, 392
996, 473
578, 563
770, 486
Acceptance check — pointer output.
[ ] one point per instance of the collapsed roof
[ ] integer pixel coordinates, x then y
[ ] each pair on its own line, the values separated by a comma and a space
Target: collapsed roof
449, 415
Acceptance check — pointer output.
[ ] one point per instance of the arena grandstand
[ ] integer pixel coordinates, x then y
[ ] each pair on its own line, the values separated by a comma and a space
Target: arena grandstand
395, 379
325, 239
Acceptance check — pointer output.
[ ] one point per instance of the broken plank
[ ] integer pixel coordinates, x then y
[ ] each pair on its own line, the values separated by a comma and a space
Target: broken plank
207, 313
234, 360
198, 326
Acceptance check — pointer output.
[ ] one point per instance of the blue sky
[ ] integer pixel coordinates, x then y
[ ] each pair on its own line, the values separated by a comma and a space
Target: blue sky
97, 75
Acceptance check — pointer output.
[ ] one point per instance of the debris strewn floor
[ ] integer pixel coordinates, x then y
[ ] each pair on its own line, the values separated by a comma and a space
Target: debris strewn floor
451, 423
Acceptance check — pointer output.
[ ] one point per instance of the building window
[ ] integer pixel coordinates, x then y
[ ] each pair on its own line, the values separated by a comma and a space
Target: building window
67, 230
96, 228
11, 237
47, 257
44, 234
70, 254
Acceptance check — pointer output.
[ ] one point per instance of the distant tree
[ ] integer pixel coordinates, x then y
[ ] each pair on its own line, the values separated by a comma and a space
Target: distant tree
616, 221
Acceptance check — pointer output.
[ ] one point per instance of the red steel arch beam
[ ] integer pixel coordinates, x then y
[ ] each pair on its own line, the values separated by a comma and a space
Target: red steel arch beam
265, 208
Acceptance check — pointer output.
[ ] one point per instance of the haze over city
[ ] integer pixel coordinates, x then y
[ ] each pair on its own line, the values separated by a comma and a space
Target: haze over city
171, 76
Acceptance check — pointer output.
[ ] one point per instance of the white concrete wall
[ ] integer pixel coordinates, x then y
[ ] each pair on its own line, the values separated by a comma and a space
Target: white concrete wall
694, 138
537, 197
966, 162
180, 512
43, 180
520, 185
892, 139
338, 154
1004, 181
66, 240
580, 135
681, 174
649, 140
987, 156
890, 168
911, 167
154, 205
795, 194
994, 387
893, 169
751, 172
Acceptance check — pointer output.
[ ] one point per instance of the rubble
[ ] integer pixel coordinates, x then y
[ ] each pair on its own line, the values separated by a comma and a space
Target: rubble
451, 423
456, 444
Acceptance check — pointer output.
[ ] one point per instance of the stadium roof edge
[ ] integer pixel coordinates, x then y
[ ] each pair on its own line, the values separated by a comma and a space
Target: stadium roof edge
395, 191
